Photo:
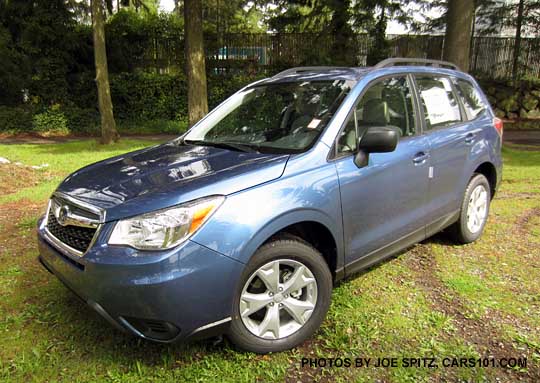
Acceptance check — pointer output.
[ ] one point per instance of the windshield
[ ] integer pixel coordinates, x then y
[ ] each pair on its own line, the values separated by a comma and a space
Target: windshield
282, 117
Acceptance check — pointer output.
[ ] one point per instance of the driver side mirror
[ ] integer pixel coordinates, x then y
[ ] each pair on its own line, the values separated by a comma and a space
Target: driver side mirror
376, 139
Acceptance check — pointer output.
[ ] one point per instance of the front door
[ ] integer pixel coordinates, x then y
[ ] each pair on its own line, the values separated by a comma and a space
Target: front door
383, 202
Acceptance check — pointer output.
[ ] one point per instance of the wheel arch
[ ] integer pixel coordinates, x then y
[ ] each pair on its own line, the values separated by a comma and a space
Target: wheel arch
311, 226
488, 170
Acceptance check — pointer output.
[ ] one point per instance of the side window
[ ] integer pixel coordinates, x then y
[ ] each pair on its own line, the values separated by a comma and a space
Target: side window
441, 107
472, 102
387, 102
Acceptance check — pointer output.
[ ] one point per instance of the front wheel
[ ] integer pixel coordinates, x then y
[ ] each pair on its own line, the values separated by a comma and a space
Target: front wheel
474, 210
283, 297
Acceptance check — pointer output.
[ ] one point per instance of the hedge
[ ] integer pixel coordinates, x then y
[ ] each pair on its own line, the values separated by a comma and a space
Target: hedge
147, 102
15, 119
143, 102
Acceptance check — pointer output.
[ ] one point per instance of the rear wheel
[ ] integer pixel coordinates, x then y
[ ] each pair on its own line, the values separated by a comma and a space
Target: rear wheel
283, 297
474, 210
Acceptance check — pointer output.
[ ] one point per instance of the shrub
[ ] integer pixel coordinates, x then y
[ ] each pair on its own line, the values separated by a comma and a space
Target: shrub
222, 86
15, 119
51, 121
148, 96
160, 126
82, 120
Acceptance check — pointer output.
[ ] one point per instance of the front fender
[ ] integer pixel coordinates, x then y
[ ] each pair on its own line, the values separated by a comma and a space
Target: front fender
248, 218
287, 219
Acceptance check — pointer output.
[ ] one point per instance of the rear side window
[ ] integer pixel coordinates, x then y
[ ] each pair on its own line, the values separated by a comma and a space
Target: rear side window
438, 100
470, 97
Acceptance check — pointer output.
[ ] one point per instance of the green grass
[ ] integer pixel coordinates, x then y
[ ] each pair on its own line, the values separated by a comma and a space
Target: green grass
69, 156
499, 271
62, 159
46, 334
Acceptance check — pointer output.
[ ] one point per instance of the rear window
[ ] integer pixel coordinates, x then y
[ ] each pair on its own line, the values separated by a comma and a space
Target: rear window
441, 107
472, 101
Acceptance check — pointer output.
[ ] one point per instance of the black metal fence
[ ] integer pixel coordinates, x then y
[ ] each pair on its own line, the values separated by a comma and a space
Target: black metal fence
263, 52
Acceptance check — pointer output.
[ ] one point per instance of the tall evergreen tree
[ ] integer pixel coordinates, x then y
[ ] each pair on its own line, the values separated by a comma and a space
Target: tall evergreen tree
37, 45
342, 20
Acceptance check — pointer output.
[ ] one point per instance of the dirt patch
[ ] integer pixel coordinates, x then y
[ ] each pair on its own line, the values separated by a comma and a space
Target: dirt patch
528, 138
486, 338
15, 177
17, 240
525, 144
11, 214
522, 146
296, 373
522, 195
523, 220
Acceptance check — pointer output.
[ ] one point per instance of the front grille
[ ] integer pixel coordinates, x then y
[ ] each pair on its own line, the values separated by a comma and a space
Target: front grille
76, 237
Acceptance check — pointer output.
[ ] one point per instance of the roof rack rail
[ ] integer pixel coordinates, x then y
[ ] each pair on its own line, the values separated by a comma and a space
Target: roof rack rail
427, 62
305, 69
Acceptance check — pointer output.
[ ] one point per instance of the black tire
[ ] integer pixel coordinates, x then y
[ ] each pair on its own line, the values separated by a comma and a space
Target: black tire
459, 230
286, 248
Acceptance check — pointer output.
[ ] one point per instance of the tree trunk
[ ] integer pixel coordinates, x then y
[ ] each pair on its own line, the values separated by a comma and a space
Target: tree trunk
195, 61
458, 32
517, 44
108, 126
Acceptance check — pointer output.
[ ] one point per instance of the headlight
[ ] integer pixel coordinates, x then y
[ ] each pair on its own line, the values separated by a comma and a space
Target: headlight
164, 229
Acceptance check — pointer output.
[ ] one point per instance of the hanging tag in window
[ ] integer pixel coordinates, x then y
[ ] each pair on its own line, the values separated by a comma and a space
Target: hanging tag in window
314, 123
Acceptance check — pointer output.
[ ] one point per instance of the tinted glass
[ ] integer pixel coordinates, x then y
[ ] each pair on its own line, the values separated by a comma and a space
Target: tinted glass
470, 97
440, 104
283, 116
388, 102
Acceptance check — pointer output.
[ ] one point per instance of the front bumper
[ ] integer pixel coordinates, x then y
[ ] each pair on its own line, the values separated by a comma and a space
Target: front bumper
165, 297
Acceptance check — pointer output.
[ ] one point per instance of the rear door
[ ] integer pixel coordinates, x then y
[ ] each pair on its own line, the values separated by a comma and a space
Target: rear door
450, 139
383, 202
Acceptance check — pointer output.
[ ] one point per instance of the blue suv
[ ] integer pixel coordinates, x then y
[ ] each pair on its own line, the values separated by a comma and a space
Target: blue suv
242, 225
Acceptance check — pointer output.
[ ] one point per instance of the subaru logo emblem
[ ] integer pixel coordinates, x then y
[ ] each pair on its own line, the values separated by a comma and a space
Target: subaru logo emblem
63, 214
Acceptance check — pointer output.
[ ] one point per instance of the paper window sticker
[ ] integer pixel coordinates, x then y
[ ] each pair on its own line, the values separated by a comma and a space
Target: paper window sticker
438, 105
314, 123
446, 84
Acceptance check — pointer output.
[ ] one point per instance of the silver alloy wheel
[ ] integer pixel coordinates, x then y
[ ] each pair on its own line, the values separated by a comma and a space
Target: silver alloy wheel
278, 299
477, 208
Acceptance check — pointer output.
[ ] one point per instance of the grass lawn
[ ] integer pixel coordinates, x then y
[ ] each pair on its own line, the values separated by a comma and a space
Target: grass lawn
436, 299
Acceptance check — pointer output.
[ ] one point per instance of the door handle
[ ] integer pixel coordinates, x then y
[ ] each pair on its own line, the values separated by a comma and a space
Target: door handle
469, 138
420, 158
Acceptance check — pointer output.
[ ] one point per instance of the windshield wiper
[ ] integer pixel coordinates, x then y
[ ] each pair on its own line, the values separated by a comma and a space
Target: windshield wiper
225, 145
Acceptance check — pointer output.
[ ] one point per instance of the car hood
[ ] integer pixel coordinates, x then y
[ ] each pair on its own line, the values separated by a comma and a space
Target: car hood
167, 175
